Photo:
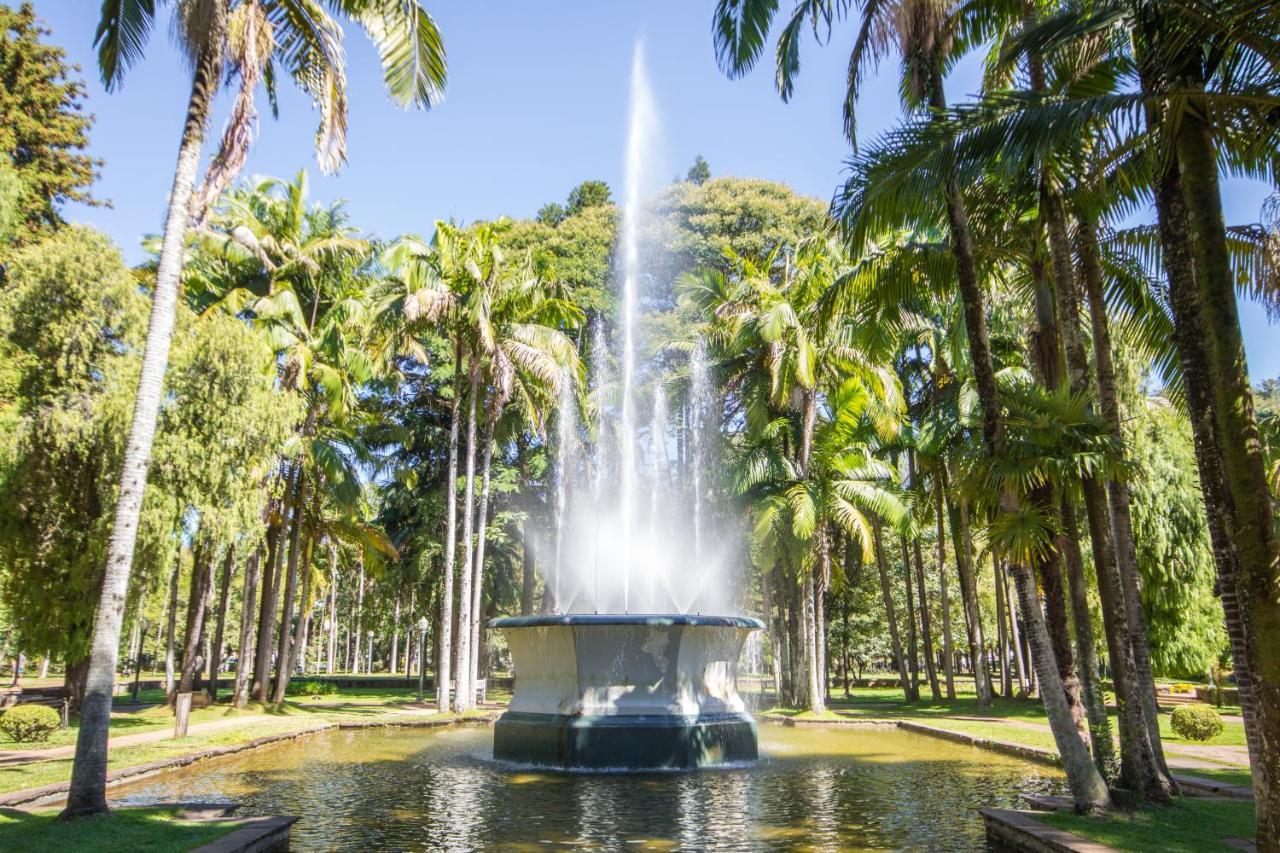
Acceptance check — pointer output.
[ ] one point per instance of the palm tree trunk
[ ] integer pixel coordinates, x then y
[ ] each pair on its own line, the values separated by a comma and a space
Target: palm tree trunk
810, 638
1015, 631
1046, 352
171, 626
477, 586
1184, 304
948, 661
926, 624
1088, 789
290, 586
1095, 703
1244, 469
201, 579
1117, 486
333, 609
450, 543
240, 692
958, 516
271, 587
886, 595
224, 594
913, 650
87, 793
466, 697
298, 649
1139, 771
357, 618
1002, 633
395, 639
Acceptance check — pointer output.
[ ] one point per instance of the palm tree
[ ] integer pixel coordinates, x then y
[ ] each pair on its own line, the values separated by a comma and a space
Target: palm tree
526, 353
923, 30
306, 42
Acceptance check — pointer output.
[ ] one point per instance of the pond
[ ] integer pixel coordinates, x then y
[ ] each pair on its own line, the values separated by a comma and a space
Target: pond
428, 789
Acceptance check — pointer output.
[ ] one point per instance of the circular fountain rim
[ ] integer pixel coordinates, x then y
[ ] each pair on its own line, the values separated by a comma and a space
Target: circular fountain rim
655, 619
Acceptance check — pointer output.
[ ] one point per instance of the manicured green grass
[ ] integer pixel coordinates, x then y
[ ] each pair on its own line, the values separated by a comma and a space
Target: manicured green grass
156, 718
123, 829
1240, 777
1190, 824
1232, 734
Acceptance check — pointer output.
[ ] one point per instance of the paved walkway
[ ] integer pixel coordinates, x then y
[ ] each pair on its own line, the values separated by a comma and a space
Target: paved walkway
11, 757
1179, 755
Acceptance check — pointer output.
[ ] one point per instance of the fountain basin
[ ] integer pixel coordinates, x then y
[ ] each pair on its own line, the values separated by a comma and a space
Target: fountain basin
625, 691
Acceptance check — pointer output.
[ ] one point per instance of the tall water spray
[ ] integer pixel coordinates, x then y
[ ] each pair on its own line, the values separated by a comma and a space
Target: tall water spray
614, 552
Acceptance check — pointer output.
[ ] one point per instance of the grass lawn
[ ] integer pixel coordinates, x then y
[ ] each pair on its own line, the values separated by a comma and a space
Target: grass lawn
156, 718
1241, 777
124, 829
1232, 734
1190, 824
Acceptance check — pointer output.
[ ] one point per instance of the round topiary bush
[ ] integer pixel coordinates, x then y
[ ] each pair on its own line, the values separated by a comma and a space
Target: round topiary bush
1196, 722
311, 687
30, 723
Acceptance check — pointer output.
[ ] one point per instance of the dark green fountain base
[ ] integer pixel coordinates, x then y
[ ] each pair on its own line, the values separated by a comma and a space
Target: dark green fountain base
632, 742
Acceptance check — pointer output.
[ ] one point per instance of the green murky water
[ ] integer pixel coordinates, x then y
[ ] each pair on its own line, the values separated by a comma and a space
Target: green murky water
416, 789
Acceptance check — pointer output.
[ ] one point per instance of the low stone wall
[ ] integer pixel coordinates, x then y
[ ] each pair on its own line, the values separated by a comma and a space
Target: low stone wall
1029, 753
1018, 830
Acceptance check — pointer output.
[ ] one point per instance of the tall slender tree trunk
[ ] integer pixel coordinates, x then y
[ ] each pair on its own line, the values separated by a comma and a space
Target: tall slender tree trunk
810, 638
926, 624
271, 586
87, 794
958, 514
1015, 631
445, 634
1257, 547
1117, 486
1088, 789
1095, 702
298, 648
333, 609
357, 617
948, 659
201, 580
395, 639
1139, 771
1002, 633
171, 626
886, 595
290, 586
1046, 352
239, 694
224, 596
477, 586
466, 696
913, 650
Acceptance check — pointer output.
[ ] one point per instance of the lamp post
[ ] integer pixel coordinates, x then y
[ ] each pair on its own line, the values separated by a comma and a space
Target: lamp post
422, 657
368, 667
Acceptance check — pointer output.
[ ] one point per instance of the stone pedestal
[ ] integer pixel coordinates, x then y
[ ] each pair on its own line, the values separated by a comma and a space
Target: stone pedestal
625, 691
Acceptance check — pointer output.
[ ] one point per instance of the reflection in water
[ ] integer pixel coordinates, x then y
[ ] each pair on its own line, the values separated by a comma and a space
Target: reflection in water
417, 789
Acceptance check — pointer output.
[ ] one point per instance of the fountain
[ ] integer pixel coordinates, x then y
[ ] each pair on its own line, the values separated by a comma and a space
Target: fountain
652, 684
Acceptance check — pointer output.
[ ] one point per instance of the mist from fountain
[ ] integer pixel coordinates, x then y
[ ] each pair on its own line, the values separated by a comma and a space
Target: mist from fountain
614, 550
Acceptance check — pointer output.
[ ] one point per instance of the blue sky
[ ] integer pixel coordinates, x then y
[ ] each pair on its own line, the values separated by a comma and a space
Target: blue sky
536, 103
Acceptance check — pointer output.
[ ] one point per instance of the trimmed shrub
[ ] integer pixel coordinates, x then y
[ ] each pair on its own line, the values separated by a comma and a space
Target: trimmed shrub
311, 687
30, 723
1196, 722
1182, 687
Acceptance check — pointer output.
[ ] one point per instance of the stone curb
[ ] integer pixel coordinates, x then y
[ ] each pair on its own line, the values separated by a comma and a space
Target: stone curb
255, 835
1017, 750
1198, 787
851, 722
1019, 830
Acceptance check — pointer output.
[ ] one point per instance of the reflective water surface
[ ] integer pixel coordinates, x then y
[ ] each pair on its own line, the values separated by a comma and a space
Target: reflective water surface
439, 789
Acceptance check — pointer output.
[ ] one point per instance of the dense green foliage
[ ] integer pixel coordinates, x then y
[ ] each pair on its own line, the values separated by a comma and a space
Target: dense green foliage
43, 126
